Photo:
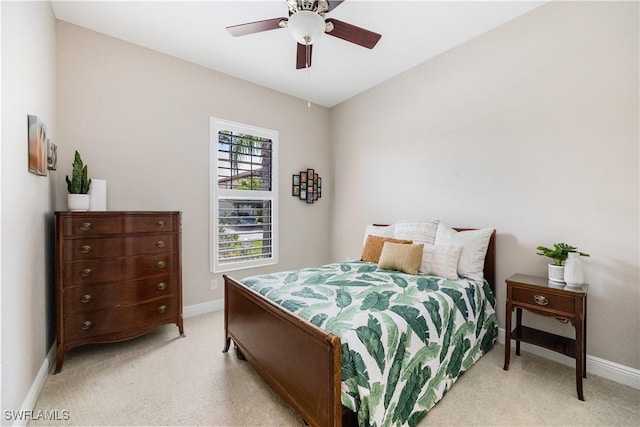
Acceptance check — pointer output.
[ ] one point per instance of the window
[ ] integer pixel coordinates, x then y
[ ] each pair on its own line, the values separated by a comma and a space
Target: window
244, 196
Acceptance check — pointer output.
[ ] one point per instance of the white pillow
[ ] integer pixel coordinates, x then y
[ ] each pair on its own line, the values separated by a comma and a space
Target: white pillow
441, 260
474, 248
418, 232
378, 230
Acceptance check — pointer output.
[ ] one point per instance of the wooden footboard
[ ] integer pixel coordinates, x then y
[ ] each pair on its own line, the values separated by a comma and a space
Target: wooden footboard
301, 363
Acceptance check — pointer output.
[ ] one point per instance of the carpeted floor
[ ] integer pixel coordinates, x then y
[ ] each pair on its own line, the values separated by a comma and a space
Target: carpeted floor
162, 379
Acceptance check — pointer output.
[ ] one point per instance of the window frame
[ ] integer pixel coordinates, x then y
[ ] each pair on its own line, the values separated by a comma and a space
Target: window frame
216, 194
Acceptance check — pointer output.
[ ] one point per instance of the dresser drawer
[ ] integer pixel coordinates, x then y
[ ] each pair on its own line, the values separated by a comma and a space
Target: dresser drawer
113, 321
543, 300
86, 298
97, 225
114, 247
118, 269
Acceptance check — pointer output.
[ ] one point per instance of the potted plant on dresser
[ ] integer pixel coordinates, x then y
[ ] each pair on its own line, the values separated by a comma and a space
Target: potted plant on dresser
78, 186
558, 254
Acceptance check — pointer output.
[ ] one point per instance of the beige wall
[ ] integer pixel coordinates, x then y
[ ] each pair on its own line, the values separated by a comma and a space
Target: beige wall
140, 120
28, 87
532, 129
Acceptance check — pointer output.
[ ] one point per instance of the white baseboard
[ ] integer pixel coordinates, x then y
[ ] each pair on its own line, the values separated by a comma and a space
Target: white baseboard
34, 392
203, 308
595, 365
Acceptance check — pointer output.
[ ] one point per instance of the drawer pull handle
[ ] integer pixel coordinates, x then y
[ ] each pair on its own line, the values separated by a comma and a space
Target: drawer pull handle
86, 298
85, 249
161, 264
161, 309
86, 272
86, 325
160, 244
161, 223
161, 286
541, 300
86, 226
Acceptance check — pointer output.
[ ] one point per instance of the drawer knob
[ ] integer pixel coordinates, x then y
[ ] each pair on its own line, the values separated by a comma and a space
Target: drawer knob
161, 223
161, 309
86, 272
85, 249
161, 286
541, 300
160, 244
86, 325
86, 226
86, 298
161, 264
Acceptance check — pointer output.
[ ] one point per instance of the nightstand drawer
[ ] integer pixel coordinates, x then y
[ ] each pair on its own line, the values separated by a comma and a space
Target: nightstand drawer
543, 300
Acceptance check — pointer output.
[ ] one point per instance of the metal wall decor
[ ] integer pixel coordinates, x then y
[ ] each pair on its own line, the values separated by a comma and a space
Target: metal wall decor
307, 186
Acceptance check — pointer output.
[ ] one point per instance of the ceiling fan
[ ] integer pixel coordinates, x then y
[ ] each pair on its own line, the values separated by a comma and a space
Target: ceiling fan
306, 23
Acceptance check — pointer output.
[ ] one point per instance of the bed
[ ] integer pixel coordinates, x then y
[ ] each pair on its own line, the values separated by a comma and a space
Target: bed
350, 344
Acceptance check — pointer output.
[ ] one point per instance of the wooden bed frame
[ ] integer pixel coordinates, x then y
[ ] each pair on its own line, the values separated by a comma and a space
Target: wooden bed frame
300, 362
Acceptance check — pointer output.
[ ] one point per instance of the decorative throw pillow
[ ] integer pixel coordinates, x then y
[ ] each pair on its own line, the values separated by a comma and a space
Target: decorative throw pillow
441, 260
418, 232
401, 257
474, 249
373, 247
378, 230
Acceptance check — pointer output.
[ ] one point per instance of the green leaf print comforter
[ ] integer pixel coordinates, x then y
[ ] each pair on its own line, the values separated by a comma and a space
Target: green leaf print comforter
405, 339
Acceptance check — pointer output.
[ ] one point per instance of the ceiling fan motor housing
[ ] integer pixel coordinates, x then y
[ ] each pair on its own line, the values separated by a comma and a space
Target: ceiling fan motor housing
317, 6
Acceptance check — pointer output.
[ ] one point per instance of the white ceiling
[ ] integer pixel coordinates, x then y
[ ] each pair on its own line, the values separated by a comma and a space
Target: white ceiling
412, 32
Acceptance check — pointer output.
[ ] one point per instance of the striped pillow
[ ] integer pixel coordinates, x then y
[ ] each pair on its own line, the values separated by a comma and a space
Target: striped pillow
401, 257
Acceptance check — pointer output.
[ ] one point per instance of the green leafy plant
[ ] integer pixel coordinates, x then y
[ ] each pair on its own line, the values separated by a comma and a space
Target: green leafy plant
559, 253
79, 182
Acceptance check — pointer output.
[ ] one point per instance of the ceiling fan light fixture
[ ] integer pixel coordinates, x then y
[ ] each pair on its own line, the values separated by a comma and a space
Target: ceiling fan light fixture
306, 26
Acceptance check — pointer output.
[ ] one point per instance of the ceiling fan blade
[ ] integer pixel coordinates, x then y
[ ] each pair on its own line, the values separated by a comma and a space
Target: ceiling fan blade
255, 27
333, 4
353, 34
301, 56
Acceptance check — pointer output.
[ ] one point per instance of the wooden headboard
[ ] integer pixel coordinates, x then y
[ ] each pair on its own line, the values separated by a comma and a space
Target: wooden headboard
489, 259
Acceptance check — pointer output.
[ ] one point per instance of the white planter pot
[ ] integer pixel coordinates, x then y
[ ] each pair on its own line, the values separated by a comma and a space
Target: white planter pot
78, 202
556, 273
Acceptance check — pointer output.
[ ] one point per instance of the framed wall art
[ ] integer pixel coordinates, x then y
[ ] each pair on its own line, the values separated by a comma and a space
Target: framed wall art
307, 186
295, 186
37, 145
52, 155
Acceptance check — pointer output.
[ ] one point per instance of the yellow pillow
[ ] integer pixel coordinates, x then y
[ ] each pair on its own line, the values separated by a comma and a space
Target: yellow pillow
405, 258
373, 247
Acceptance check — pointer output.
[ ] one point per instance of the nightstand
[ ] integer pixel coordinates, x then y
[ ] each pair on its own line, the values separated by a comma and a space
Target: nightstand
539, 295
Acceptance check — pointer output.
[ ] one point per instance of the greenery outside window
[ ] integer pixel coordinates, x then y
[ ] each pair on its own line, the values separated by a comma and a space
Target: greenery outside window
244, 196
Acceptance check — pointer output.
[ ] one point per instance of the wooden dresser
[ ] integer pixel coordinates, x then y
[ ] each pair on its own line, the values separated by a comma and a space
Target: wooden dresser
118, 276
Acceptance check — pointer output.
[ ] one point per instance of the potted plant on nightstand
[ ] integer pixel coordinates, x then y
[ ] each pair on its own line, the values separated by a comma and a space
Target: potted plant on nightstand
78, 186
559, 255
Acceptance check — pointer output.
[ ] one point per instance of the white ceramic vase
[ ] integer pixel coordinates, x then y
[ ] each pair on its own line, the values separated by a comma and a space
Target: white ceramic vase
556, 273
78, 202
98, 195
573, 274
